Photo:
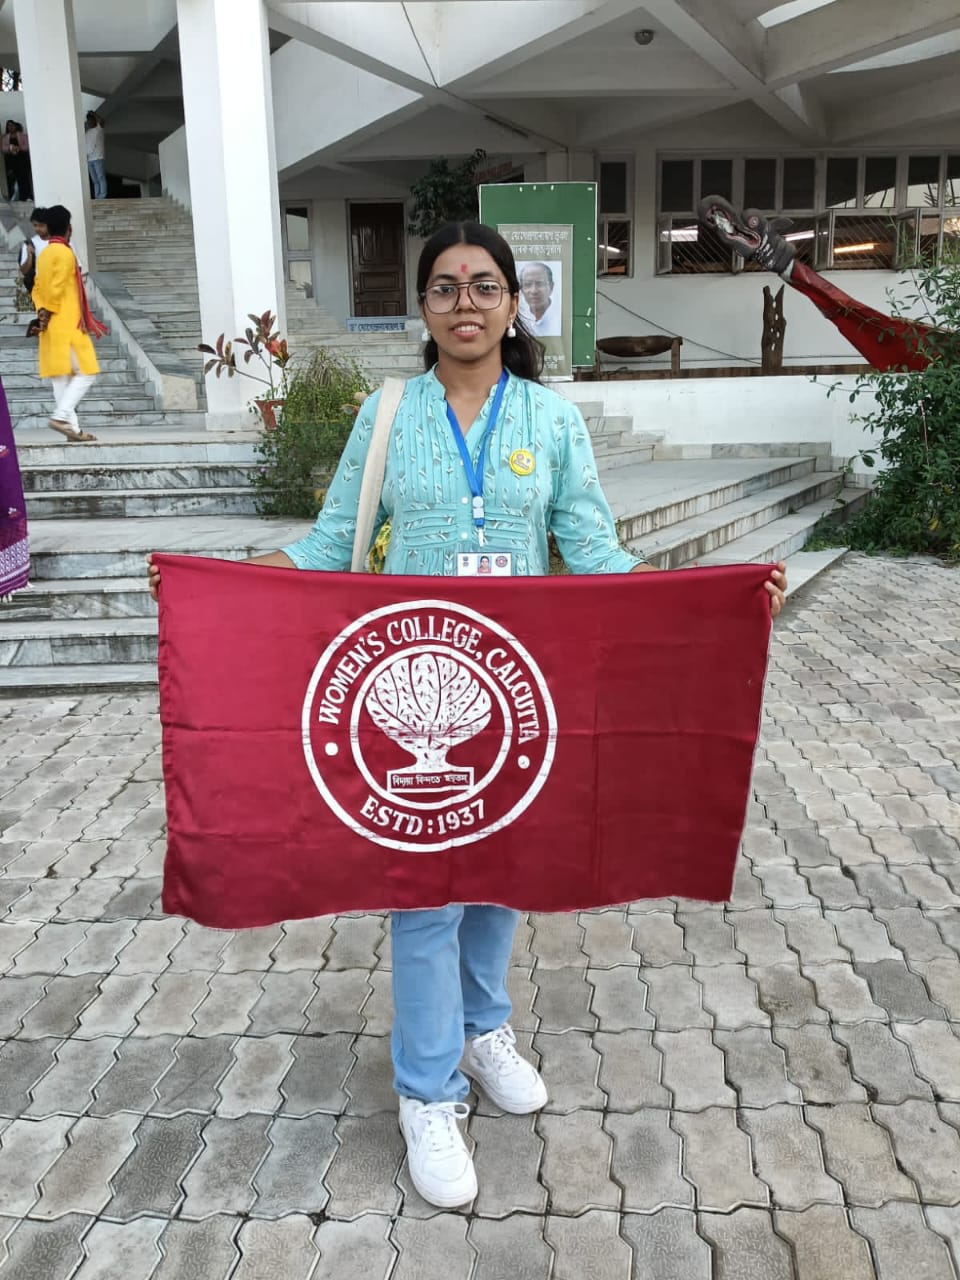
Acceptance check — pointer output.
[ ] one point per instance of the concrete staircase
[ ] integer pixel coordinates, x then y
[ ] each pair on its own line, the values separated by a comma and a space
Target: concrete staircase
87, 622
380, 355
119, 399
146, 247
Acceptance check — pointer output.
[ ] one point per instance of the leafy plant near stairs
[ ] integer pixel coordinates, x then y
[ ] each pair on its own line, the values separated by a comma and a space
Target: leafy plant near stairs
916, 503
445, 194
297, 459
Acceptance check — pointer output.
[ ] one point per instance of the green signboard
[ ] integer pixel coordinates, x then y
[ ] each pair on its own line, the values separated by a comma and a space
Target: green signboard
550, 211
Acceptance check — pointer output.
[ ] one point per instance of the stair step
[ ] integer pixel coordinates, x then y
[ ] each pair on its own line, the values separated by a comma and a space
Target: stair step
73, 598
91, 420
23, 364
804, 566
697, 536
126, 477
134, 503
623, 454
644, 504
787, 535
38, 399
180, 448
78, 641
25, 681
112, 548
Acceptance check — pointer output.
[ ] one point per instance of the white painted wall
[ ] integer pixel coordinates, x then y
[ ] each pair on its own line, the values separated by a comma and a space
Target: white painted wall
316, 95
174, 168
331, 262
710, 411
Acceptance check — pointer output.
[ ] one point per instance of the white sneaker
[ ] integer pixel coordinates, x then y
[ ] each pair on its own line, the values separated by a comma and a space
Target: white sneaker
507, 1079
441, 1167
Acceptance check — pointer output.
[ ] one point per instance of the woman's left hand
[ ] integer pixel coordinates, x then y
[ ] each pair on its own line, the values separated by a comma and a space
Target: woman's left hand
776, 584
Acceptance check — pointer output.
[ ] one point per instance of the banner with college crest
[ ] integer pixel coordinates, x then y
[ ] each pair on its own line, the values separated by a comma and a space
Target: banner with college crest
337, 742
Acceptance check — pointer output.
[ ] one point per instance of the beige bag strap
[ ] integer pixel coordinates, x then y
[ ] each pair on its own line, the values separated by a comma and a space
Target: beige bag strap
371, 486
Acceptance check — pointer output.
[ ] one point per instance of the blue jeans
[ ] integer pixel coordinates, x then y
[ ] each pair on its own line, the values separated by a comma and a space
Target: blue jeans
98, 176
449, 983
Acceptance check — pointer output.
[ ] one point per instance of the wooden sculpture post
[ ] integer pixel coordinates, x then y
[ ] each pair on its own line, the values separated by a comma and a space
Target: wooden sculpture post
774, 328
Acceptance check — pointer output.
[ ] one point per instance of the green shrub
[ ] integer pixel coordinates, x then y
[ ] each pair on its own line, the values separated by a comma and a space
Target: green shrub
298, 458
445, 194
916, 504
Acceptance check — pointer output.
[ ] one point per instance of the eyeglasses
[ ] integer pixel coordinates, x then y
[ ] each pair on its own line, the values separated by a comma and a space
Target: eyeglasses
484, 294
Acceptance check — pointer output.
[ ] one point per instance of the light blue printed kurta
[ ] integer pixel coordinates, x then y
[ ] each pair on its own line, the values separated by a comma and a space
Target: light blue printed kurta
428, 499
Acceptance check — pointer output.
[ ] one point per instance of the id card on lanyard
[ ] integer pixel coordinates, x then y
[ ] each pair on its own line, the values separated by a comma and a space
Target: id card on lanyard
475, 474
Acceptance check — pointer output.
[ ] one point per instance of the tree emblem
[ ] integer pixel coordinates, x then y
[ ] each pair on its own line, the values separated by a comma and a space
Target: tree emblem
428, 704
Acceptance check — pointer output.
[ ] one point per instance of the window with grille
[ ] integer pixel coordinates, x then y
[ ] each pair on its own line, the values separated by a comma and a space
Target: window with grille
615, 218
849, 212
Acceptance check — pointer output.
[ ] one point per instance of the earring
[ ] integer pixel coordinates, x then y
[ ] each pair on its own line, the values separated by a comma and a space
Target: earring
511, 330
425, 336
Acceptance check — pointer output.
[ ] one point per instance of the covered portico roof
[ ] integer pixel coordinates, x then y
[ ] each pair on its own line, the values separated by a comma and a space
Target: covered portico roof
380, 80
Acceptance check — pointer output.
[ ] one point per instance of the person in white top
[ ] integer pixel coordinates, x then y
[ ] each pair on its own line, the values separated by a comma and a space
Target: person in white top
96, 163
536, 288
30, 251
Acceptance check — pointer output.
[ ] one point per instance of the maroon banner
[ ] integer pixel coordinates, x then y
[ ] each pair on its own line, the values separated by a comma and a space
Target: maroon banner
337, 742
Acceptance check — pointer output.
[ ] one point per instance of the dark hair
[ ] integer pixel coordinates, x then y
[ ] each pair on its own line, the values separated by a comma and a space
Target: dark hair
58, 220
39, 215
522, 355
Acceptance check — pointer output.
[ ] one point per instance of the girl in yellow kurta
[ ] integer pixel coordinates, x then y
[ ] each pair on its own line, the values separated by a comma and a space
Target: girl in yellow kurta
67, 356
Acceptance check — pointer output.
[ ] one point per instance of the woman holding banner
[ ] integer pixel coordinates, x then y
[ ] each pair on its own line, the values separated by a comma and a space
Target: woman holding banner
485, 460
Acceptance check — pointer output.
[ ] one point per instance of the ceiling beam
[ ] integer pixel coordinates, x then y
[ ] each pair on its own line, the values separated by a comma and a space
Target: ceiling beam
330, 155
520, 34
296, 21
734, 50
923, 104
627, 73
707, 28
795, 102
165, 49
596, 128
328, 27
849, 31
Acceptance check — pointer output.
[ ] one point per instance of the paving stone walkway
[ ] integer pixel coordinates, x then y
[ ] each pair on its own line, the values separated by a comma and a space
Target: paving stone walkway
765, 1091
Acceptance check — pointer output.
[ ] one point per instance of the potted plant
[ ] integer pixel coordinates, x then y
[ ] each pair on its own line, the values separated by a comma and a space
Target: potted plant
298, 459
262, 342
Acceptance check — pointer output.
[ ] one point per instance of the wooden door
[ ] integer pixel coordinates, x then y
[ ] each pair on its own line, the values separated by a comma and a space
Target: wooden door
376, 245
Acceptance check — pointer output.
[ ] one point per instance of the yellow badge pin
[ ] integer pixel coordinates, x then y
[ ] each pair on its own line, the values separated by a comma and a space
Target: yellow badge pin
521, 462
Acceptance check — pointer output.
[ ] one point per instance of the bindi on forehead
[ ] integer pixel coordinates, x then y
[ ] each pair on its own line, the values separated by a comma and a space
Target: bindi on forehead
464, 268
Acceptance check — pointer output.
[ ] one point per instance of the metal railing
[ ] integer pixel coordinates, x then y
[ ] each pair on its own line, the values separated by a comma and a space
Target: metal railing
837, 240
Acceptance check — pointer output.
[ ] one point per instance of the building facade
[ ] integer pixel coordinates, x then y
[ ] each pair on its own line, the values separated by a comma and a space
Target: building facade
293, 132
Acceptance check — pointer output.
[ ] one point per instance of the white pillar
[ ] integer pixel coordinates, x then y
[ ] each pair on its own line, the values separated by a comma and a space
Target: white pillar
47, 47
235, 202
557, 166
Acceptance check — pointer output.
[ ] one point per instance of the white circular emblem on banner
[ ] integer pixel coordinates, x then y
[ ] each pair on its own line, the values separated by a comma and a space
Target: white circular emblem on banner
427, 725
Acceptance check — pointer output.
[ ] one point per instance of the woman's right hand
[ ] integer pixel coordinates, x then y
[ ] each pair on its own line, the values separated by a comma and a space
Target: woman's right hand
153, 576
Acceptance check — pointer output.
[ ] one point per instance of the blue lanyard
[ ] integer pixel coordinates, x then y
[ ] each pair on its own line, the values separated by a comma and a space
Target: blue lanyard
475, 474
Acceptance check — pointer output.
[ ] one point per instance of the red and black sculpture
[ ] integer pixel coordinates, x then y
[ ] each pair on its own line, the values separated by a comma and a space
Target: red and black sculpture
887, 342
